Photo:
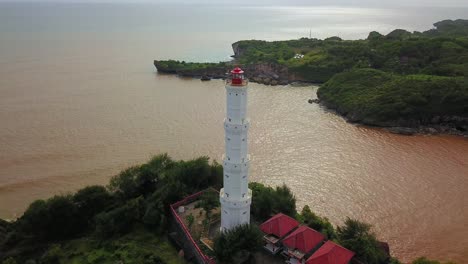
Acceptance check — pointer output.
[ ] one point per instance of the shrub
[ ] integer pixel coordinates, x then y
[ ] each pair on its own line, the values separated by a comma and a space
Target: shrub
318, 223
267, 201
242, 239
357, 236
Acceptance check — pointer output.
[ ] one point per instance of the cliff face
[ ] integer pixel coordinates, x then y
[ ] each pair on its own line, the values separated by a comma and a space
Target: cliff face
238, 52
265, 73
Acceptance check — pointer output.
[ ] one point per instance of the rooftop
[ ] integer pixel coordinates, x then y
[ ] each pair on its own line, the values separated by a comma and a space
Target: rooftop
331, 253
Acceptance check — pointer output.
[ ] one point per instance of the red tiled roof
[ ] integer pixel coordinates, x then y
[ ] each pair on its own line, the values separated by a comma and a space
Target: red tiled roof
279, 225
331, 253
304, 239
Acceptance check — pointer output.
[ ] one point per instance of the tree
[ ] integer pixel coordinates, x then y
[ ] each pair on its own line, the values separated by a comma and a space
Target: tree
120, 220
267, 201
54, 219
141, 180
357, 236
155, 214
241, 240
90, 201
318, 223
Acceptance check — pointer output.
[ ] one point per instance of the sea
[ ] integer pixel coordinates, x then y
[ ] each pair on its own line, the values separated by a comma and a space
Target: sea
80, 100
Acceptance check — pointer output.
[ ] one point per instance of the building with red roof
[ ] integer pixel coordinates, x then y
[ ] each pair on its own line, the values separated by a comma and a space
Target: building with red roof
331, 253
303, 240
275, 229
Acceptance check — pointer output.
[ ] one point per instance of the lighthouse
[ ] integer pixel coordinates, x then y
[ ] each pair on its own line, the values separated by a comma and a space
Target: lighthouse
235, 196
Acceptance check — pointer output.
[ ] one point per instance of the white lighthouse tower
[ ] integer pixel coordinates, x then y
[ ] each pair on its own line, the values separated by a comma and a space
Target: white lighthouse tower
236, 196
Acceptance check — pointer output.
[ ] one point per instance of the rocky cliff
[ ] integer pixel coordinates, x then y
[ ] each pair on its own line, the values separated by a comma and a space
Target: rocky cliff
264, 72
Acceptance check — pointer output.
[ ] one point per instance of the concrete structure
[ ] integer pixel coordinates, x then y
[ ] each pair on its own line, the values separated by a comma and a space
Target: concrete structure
236, 196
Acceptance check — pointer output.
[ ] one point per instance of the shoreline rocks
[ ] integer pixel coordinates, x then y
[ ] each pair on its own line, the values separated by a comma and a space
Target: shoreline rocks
447, 125
262, 73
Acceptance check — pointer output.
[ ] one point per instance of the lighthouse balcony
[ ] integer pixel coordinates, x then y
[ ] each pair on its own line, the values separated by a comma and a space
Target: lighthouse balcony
244, 162
229, 121
238, 202
237, 82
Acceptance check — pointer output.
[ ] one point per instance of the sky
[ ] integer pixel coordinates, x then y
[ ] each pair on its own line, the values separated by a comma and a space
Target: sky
374, 3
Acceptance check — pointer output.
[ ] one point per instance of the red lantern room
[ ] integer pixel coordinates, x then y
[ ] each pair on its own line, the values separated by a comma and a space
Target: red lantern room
237, 76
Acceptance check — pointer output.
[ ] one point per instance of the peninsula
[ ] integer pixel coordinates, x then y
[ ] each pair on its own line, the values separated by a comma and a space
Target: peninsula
409, 82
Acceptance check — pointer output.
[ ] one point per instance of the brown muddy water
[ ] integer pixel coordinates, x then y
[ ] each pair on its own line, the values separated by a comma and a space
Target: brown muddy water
78, 105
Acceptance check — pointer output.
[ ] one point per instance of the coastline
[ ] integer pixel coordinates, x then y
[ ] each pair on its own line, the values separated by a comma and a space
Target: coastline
440, 125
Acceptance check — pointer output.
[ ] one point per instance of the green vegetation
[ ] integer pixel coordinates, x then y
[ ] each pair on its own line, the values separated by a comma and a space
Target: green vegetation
441, 51
127, 222
399, 79
374, 96
269, 201
238, 243
316, 222
173, 65
356, 236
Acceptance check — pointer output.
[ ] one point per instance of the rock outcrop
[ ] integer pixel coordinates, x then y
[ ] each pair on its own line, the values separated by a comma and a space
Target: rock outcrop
264, 73
452, 125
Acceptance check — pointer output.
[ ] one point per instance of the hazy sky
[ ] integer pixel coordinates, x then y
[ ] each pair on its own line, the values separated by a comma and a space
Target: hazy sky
446, 3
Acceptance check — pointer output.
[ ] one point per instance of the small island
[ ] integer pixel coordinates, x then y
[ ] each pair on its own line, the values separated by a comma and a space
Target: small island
408, 82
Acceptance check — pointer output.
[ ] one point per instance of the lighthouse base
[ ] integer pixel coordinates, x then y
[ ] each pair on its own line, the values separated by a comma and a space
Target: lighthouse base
234, 212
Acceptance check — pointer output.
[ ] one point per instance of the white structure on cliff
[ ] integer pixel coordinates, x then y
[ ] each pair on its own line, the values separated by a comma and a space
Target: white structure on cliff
236, 196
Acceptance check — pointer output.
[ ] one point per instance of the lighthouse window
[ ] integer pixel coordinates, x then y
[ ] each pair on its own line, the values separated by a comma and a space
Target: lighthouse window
244, 213
225, 211
243, 139
227, 194
229, 119
229, 158
228, 139
236, 94
245, 176
227, 176
243, 195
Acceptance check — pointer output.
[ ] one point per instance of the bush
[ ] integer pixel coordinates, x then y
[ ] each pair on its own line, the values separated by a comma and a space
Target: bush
140, 180
318, 223
91, 201
267, 201
54, 219
242, 239
357, 236
119, 220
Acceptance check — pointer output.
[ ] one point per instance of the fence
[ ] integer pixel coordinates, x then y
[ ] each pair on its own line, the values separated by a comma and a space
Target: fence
192, 245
